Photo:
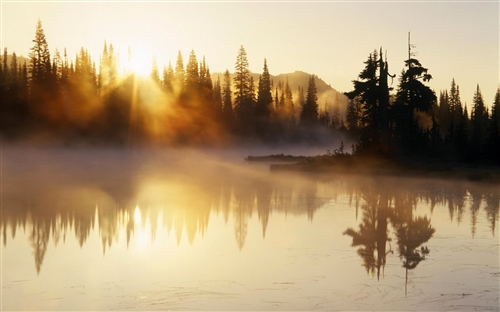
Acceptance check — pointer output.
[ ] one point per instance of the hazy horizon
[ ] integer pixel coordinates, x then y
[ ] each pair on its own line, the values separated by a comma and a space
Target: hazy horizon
332, 42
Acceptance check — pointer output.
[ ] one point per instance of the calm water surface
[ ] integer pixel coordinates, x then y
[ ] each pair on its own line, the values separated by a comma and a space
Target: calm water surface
186, 230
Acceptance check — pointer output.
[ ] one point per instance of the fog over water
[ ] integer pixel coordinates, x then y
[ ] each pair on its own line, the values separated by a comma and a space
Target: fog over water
201, 229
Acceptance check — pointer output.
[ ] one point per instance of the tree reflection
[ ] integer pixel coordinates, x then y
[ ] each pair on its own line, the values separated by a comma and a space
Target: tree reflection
410, 235
39, 239
492, 207
61, 201
372, 234
395, 205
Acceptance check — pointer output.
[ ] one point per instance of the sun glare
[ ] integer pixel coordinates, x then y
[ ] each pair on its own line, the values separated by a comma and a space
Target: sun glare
139, 61
137, 215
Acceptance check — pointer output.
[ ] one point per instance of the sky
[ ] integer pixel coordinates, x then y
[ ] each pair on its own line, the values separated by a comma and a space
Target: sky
331, 39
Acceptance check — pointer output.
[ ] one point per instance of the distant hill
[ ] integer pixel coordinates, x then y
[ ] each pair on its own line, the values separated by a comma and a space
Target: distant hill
327, 95
20, 60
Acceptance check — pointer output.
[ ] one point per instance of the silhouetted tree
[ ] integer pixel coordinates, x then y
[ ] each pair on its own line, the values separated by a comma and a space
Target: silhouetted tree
309, 114
217, 96
443, 114
493, 131
155, 72
227, 106
180, 74
479, 120
289, 106
243, 92
352, 115
264, 97
39, 58
462, 132
412, 97
168, 78
192, 74
366, 90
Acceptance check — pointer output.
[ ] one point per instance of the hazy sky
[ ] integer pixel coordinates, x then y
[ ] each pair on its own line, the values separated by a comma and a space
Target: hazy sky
330, 39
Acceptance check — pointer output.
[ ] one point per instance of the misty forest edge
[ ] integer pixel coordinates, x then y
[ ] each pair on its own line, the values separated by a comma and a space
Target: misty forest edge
52, 100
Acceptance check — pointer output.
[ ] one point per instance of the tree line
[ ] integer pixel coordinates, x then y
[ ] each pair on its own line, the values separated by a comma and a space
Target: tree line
81, 100
414, 122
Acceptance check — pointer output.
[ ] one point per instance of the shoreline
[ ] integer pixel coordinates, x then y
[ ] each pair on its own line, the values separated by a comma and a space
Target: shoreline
347, 164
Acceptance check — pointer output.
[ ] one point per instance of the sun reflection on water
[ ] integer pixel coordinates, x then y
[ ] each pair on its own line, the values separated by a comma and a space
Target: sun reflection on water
137, 216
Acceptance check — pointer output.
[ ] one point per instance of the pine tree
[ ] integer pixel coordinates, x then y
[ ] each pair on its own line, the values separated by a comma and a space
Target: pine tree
309, 114
289, 106
276, 99
493, 131
366, 90
180, 74
217, 96
243, 94
13, 68
65, 69
479, 120
462, 133
300, 98
383, 101
352, 115
227, 106
444, 112
3, 79
455, 103
192, 74
155, 73
264, 97
39, 57
203, 72
168, 78
412, 96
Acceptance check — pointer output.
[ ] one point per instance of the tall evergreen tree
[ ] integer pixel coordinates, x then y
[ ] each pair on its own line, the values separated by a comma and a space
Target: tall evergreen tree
493, 134
217, 96
155, 72
384, 101
5, 66
180, 74
455, 102
39, 57
366, 90
462, 133
264, 97
243, 93
309, 114
479, 120
227, 106
192, 73
168, 78
412, 96
444, 113
352, 115
289, 106
13, 68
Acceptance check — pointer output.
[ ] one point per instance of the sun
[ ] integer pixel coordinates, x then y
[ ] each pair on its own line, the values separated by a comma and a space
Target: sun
139, 61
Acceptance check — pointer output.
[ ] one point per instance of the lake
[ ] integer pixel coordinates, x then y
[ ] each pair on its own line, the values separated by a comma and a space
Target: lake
108, 229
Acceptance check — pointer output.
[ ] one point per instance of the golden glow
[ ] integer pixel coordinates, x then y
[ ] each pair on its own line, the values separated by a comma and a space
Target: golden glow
143, 238
137, 215
138, 60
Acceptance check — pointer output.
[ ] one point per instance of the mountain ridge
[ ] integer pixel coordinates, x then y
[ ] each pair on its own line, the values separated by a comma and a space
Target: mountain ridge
327, 95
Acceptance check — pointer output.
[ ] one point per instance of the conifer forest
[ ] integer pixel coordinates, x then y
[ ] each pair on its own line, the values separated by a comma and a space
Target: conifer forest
60, 99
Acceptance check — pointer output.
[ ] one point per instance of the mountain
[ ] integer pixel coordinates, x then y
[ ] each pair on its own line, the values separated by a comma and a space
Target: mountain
20, 60
327, 96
